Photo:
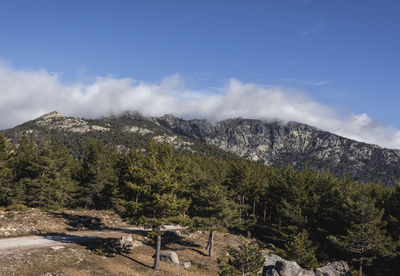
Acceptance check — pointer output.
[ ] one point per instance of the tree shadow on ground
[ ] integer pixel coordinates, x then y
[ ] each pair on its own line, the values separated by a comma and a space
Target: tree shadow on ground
99, 245
80, 222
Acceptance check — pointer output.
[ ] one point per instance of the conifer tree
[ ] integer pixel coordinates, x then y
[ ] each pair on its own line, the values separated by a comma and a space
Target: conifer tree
364, 239
213, 210
97, 177
148, 196
246, 260
5, 172
242, 182
43, 174
300, 249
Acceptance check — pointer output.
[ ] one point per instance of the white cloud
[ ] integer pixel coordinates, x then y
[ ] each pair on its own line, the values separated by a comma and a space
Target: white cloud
27, 94
317, 27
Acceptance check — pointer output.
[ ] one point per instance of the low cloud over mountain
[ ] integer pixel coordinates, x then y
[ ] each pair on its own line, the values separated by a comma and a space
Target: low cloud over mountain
26, 94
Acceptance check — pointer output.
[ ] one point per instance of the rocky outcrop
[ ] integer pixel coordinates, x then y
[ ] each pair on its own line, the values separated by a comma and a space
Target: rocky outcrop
275, 143
277, 266
340, 268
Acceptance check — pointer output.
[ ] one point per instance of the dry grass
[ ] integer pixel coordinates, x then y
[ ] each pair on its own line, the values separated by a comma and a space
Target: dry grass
36, 221
81, 259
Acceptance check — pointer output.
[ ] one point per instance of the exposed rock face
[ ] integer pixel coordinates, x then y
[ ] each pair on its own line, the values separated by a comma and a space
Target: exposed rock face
277, 266
55, 120
295, 144
332, 269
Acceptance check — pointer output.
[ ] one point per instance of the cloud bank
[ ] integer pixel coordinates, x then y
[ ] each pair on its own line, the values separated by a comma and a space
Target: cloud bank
27, 94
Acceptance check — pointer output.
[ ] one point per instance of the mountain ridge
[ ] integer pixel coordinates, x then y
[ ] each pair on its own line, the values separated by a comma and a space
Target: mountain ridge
271, 143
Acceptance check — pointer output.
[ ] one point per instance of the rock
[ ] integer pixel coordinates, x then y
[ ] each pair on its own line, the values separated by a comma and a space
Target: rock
125, 243
339, 268
169, 257
288, 268
57, 247
269, 271
187, 265
271, 259
277, 266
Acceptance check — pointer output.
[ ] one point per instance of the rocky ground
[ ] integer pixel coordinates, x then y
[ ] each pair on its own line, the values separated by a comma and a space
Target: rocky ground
94, 257
35, 221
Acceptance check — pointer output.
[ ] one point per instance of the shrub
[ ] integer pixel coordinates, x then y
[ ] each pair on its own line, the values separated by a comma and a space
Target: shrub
17, 207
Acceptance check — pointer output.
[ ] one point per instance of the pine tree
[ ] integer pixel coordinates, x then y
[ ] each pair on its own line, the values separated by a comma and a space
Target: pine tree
213, 210
148, 196
43, 174
243, 181
300, 249
5, 172
97, 177
364, 239
246, 260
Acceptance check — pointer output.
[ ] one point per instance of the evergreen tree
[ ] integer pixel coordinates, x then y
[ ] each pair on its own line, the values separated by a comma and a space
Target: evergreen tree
148, 196
246, 260
243, 182
5, 172
43, 174
300, 249
364, 239
213, 210
97, 177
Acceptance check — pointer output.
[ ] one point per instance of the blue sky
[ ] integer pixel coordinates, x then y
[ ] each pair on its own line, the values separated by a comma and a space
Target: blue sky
342, 54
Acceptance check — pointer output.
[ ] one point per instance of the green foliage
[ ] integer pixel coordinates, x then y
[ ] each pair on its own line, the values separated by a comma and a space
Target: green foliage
5, 172
247, 259
365, 238
311, 215
97, 177
42, 175
300, 249
148, 194
17, 208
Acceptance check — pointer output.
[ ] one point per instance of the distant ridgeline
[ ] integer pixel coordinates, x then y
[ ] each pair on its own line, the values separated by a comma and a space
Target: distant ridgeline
271, 143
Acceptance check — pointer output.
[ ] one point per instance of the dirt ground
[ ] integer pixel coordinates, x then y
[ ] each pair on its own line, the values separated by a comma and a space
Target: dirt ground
93, 258
36, 221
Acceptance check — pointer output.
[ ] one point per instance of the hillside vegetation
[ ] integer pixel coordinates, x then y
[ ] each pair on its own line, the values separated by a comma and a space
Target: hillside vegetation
270, 143
311, 215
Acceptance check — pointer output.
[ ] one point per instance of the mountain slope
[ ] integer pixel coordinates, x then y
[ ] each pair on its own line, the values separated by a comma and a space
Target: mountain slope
268, 142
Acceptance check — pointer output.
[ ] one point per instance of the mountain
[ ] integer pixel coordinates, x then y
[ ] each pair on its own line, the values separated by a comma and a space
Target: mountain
272, 143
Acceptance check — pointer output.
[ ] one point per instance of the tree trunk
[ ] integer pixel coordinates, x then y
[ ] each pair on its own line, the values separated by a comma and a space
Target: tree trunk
254, 208
211, 243
157, 257
265, 214
361, 263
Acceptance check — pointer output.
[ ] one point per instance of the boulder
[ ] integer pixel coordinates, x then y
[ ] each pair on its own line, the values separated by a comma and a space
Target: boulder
125, 243
339, 268
187, 265
277, 266
271, 259
269, 271
169, 257
288, 268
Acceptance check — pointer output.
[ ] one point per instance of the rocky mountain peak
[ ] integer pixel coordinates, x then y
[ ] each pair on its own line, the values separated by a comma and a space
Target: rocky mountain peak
51, 115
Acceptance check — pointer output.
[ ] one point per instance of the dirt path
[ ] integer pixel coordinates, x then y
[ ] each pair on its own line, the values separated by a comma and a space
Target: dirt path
63, 239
